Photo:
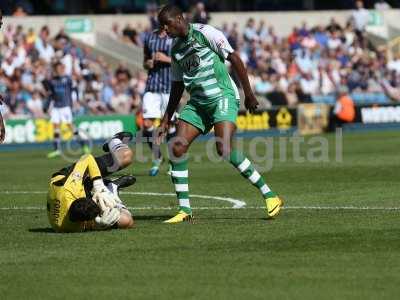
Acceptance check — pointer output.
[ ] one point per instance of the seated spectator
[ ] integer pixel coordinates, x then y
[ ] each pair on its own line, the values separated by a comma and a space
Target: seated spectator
35, 105
344, 110
200, 15
121, 102
291, 95
263, 86
250, 31
309, 86
131, 35
19, 12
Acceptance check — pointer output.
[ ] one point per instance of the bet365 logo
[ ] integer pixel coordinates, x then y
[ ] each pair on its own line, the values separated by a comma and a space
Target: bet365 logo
190, 63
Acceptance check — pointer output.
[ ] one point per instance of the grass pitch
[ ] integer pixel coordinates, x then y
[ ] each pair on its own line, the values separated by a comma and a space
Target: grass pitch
306, 253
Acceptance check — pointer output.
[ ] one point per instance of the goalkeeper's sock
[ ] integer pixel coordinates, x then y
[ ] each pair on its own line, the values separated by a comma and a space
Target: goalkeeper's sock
247, 170
116, 144
179, 176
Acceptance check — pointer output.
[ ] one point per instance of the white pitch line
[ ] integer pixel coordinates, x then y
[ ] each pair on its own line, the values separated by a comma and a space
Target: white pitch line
230, 208
236, 202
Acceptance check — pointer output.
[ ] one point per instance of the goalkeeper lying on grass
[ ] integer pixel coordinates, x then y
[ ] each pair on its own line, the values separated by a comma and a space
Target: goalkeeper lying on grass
80, 200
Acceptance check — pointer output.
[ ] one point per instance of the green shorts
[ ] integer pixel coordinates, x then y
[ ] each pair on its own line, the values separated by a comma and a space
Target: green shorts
204, 116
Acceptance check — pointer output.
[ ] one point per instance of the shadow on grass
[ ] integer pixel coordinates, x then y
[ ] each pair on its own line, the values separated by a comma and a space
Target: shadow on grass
41, 230
152, 217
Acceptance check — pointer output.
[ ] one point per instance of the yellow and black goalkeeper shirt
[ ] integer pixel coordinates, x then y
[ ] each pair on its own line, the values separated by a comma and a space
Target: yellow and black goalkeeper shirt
66, 186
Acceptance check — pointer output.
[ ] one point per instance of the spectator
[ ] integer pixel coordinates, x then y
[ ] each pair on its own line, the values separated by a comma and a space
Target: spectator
263, 86
394, 65
115, 31
152, 11
309, 86
131, 35
45, 50
35, 105
19, 12
200, 15
360, 17
382, 5
291, 95
344, 110
250, 32
121, 102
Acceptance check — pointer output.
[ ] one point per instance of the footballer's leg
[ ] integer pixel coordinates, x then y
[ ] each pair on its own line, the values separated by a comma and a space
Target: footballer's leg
152, 110
79, 138
224, 132
179, 146
119, 154
56, 141
148, 132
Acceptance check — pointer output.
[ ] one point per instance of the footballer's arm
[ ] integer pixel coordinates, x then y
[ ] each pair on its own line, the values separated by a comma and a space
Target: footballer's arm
250, 101
177, 88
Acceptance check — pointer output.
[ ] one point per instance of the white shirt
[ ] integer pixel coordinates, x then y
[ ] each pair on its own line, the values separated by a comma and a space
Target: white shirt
309, 86
9, 68
394, 65
45, 52
334, 43
382, 6
361, 18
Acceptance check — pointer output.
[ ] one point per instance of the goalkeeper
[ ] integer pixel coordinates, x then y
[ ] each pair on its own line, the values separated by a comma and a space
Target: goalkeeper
80, 200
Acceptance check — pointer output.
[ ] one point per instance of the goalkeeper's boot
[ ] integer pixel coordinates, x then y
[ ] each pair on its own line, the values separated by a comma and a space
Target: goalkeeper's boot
124, 181
120, 183
124, 136
54, 154
273, 205
155, 167
182, 216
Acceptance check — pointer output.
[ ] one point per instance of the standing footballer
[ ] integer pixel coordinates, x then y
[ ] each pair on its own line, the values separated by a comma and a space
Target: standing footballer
198, 56
157, 60
60, 91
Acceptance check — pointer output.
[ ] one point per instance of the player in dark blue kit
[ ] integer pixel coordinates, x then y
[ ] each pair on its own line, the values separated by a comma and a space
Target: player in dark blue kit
157, 60
60, 90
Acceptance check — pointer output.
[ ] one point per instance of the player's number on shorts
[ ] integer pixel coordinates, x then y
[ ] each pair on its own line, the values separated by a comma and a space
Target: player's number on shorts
223, 105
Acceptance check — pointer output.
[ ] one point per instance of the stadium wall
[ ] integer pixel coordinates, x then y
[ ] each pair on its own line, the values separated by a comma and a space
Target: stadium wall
306, 119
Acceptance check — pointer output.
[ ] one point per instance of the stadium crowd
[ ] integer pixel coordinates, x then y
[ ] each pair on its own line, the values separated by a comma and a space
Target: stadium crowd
286, 70
27, 62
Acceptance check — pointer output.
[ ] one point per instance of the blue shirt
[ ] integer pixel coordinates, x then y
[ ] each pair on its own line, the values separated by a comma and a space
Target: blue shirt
159, 77
60, 89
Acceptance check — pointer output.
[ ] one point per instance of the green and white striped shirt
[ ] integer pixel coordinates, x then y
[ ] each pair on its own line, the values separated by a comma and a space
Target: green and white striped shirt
199, 61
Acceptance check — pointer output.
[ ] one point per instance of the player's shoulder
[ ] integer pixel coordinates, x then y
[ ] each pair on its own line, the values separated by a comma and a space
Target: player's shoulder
204, 28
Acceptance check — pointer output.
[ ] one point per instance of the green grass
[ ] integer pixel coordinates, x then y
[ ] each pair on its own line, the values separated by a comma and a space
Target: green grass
227, 253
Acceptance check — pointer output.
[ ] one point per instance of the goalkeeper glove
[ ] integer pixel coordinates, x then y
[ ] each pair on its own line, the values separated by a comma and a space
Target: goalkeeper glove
102, 196
108, 218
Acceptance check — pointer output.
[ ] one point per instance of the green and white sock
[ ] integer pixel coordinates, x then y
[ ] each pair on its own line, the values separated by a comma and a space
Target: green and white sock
246, 168
180, 178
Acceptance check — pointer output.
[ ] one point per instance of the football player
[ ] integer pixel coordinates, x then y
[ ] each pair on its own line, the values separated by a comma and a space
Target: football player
60, 93
198, 57
81, 199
